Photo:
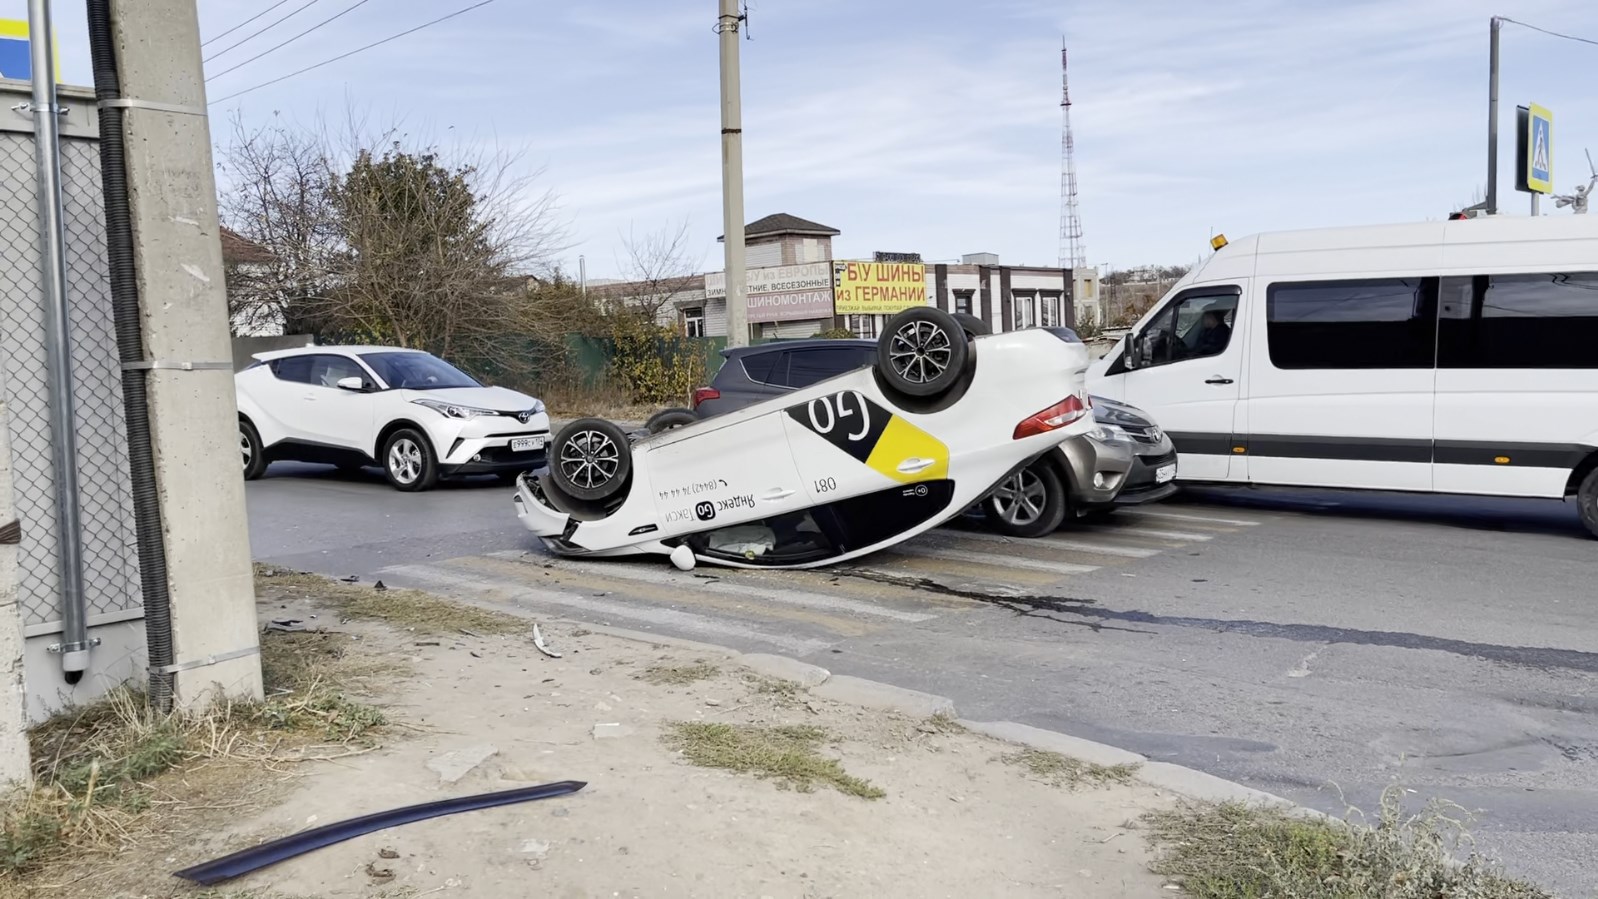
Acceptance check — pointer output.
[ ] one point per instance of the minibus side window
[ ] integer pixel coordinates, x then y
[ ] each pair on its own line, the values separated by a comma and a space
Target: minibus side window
1196, 326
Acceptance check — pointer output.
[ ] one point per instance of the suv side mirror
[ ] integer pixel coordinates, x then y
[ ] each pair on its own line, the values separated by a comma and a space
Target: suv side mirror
356, 384
1133, 357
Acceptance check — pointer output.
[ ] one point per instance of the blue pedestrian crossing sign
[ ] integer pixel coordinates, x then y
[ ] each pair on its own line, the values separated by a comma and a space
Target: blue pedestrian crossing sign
16, 60
1539, 159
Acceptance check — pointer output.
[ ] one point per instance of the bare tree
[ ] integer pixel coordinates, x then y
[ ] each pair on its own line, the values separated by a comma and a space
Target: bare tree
276, 197
658, 268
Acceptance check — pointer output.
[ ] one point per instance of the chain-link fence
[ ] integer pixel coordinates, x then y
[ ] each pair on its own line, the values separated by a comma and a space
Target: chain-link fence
111, 581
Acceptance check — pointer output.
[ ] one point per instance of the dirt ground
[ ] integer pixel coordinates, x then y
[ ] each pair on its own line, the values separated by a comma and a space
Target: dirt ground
956, 820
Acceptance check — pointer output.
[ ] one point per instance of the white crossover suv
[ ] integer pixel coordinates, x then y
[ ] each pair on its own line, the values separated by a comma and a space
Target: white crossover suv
410, 412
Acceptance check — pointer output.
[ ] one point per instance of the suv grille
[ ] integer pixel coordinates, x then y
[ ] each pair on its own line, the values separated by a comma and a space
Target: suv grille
1150, 434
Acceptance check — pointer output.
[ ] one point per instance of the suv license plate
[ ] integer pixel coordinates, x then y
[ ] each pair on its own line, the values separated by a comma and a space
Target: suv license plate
1164, 473
526, 444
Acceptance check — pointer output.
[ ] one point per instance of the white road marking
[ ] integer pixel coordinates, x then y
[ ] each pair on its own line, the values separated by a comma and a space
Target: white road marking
1137, 531
1087, 546
1176, 516
686, 621
959, 555
667, 578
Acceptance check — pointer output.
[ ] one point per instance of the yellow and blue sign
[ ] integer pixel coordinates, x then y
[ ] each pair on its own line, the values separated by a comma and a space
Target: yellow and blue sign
16, 60
1540, 150
1534, 149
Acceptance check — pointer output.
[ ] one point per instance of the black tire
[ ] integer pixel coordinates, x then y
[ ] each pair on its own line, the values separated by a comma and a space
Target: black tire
591, 460
251, 454
1587, 501
409, 461
922, 352
1030, 503
667, 419
974, 327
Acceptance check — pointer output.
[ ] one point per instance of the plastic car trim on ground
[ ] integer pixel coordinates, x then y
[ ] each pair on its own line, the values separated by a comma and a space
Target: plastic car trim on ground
257, 857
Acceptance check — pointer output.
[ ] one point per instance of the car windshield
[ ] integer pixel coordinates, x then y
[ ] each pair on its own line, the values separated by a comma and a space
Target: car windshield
417, 371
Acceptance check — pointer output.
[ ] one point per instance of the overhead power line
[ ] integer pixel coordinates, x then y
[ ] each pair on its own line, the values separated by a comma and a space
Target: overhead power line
260, 31
392, 37
244, 23
273, 49
1568, 37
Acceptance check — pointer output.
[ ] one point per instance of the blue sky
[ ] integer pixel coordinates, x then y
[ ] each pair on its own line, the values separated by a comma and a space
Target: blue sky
934, 126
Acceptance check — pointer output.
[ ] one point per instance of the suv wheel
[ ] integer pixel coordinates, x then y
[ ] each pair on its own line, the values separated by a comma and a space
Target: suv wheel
250, 450
1030, 503
667, 419
1587, 501
409, 462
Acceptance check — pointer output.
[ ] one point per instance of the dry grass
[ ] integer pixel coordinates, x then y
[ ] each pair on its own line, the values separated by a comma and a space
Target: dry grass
679, 675
102, 772
1233, 851
788, 754
945, 723
413, 610
569, 403
1065, 771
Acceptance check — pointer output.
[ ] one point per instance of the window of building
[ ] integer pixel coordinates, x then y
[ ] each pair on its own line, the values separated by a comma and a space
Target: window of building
864, 326
1195, 326
1024, 306
1375, 323
1049, 311
693, 321
1545, 320
962, 302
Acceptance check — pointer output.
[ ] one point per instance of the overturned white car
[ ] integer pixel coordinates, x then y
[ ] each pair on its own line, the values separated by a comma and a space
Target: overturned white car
826, 473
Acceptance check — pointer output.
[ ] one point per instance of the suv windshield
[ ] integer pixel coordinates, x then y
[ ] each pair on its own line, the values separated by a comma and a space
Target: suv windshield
417, 371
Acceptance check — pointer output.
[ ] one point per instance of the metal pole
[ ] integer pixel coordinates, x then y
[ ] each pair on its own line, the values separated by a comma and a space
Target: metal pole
1492, 120
732, 174
582, 275
74, 645
1536, 208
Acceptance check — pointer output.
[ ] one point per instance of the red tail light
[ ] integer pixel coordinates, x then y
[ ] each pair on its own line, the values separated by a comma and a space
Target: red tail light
1053, 418
703, 394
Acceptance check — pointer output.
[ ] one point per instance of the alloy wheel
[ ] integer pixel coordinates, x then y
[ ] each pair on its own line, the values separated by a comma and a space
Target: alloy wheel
920, 352
589, 459
1020, 499
405, 460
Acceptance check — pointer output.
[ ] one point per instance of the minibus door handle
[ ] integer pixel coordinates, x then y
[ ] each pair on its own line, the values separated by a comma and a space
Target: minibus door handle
1217, 379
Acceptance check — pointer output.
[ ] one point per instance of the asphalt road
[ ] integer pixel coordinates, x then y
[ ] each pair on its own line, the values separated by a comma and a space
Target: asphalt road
1319, 646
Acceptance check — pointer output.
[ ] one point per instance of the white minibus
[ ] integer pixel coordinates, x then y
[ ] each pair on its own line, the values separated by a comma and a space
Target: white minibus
1443, 357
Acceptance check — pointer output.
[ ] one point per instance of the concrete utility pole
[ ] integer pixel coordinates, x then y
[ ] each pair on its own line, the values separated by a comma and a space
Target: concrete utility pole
732, 173
193, 411
1492, 119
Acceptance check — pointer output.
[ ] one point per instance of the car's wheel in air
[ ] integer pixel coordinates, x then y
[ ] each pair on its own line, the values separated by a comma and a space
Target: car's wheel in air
1587, 501
667, 419
409, 462
251, 453
922, 352
590, 460
1029, 503
974, 327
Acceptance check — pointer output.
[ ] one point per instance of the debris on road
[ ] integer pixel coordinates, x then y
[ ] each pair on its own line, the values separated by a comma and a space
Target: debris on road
257, 857
538, 641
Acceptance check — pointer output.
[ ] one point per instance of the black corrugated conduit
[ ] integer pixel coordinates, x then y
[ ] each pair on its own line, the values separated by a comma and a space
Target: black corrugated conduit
130, 348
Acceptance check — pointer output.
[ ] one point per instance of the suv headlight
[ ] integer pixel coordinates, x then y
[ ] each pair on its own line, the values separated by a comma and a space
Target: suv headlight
452, 410
1109, 433
538, 407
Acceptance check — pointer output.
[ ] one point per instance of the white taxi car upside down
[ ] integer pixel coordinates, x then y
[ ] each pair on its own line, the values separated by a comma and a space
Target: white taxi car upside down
833, 471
